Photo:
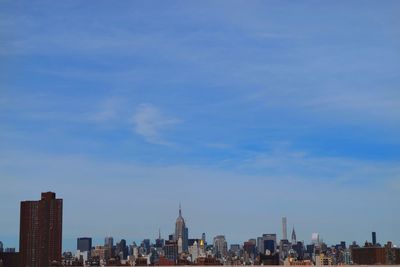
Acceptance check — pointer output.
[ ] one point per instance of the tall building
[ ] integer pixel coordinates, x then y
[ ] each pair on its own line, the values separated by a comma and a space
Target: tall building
121, 249
294, 239
194, 249
284, 228
41, 231
260, 245
181, 231
203, 237
109, 246
249, 247
159, 240
109, 242
315, 238
220, 246
1, 246
171, 250
374, 238
84, 244
269, 243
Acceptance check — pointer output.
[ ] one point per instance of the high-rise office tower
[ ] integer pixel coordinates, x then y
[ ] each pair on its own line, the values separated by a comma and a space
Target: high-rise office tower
284, 228
109, 246
269, 241
84, 244
109, 241
220, 246
121, 249
1, 246
181, 231
41, 231
373, 238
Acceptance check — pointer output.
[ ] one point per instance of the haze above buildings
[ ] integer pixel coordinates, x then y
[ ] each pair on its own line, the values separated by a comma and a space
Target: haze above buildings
262, 109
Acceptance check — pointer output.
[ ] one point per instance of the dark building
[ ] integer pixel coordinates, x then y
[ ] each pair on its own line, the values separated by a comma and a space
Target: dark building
369, 255
299, 248
159, 240
374, 238
84, 244
9, 259
269, 259
249, 247
171, 250
269, 245
121, 249
146, 245
41, 232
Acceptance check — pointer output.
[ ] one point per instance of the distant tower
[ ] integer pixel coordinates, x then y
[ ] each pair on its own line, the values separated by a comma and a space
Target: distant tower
203, 237
374, 238
181, 231
284, 228
220, 246
315, 239
294, 239
159, 240
109, 242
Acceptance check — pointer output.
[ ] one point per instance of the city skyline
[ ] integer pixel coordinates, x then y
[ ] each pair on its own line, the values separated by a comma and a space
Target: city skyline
243, 111
178, 224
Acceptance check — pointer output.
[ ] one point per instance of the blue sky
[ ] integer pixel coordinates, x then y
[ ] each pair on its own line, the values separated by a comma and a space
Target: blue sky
244, 111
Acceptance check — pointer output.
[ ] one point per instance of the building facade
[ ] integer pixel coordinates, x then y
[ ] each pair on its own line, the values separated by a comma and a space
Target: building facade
84, 244
181, 231
284, 228
41, 231
220, 246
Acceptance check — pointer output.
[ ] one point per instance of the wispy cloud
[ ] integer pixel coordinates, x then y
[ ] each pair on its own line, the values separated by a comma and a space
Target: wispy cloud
149, 122
109, 110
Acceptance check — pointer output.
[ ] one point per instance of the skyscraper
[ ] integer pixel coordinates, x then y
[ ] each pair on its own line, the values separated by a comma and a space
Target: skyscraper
220, 246
373, 238
294, 239
41, 231
181, 231
269, 241
315, 238
109, 242
284, 228
1, 246
109, 246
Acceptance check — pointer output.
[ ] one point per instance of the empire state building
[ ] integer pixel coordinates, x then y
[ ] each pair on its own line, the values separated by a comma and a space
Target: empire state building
181, 232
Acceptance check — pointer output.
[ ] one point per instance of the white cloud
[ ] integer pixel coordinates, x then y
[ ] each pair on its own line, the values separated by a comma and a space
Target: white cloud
149, 122
108, 110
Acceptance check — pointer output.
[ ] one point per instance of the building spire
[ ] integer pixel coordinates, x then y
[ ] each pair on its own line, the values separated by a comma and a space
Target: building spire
180, 209
159, 233
294, 238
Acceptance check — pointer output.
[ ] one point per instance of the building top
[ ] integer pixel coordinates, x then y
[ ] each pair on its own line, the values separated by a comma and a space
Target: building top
180, 218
